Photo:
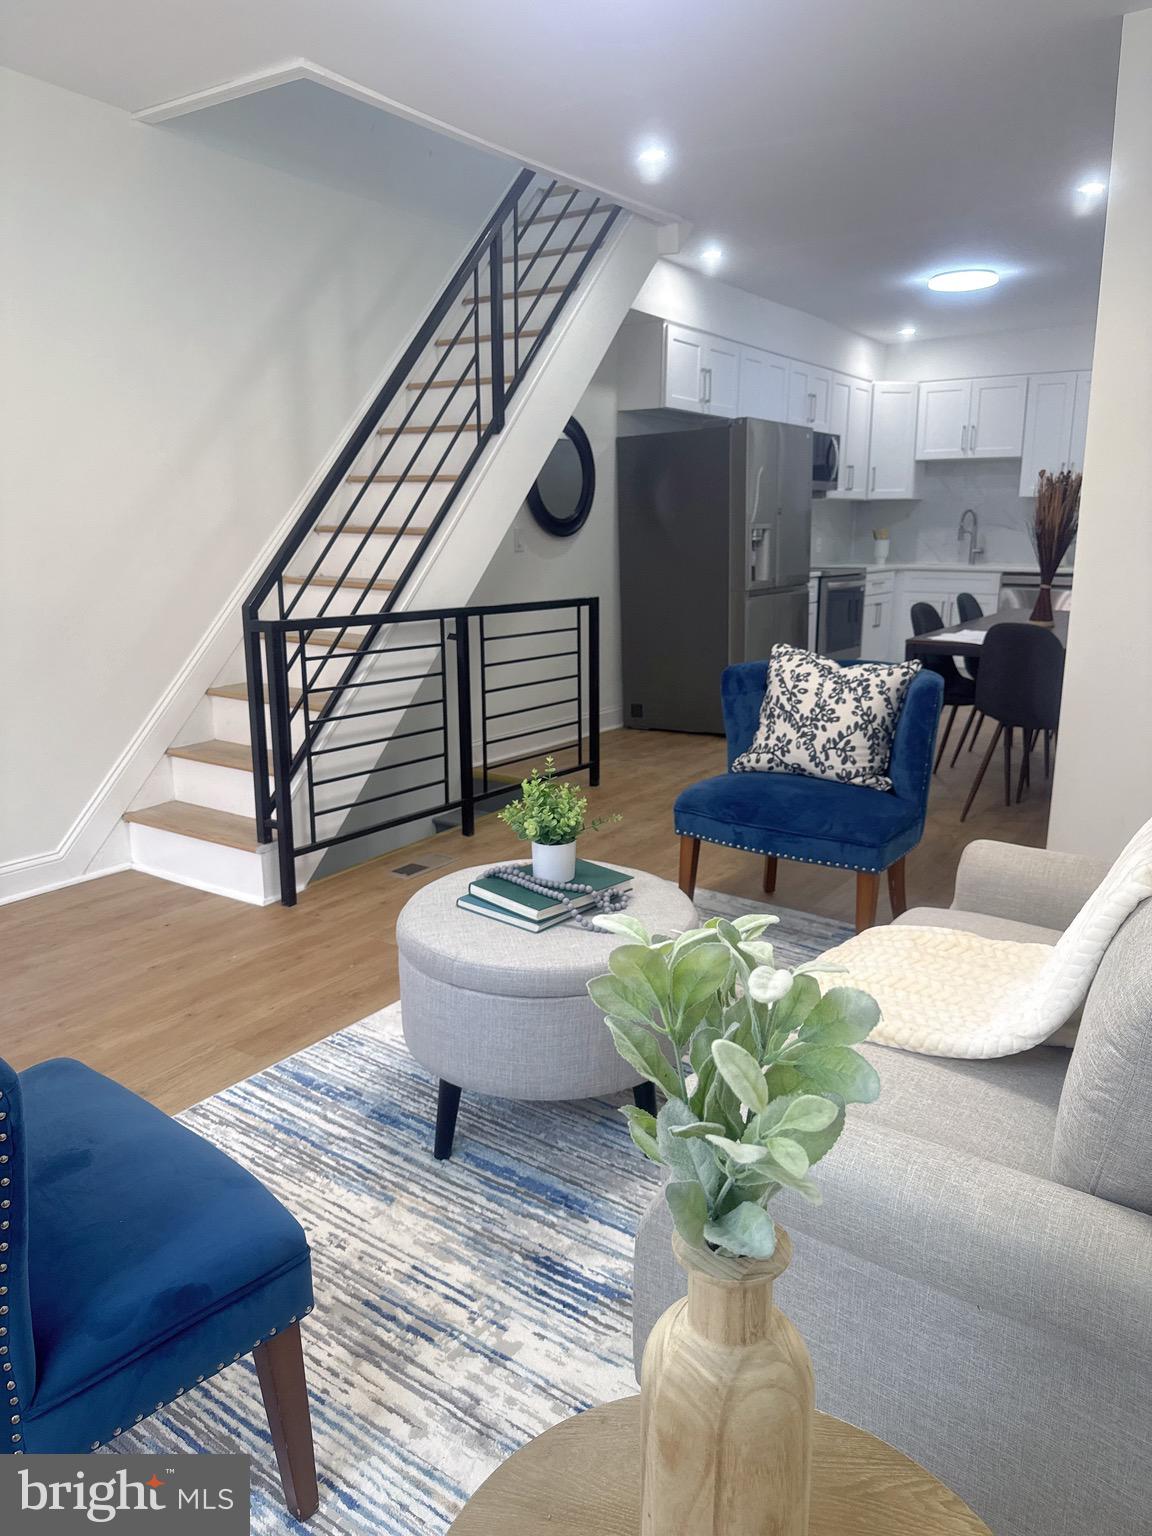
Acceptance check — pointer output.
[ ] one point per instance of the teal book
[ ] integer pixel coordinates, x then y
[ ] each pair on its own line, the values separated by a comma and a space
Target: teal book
514, 898
513, 919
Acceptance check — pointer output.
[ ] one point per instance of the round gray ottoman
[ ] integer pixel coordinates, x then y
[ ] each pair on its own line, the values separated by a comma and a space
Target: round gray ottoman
497, 1010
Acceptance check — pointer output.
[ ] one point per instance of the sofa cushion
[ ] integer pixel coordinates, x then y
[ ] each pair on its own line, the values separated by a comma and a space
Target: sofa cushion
153, 1258
827, 721
811, 820
1102, 1144
978, 922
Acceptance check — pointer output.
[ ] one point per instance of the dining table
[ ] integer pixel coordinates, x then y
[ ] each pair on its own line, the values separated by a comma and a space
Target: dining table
967, 639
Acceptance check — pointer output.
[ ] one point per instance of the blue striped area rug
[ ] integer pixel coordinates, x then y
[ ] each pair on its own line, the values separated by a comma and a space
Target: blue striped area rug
461, 1307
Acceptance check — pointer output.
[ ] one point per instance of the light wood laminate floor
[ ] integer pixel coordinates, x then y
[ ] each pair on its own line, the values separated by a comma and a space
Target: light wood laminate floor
178, 993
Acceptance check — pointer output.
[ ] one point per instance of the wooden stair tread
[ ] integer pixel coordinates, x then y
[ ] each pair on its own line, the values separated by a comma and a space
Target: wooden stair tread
526, 256
447, 383
523, 293
451, 426
316, 699
573, 213
197, 821
223, 754
361, 583
400, 479
413, 530
467, 341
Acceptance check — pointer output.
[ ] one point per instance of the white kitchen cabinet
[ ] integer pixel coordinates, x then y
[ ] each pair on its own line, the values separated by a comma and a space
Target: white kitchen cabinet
876, 632
942, 419
996, 417
720, 364
809, 396
1055, 426
851, 420
763, 385
1079, 422
892, 444
684, 369
971, 418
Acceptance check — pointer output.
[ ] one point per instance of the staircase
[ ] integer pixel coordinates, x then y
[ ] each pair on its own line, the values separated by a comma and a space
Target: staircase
331, 625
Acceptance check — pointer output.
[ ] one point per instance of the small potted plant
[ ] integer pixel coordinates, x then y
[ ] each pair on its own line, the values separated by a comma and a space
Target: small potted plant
550, 815
756, 1068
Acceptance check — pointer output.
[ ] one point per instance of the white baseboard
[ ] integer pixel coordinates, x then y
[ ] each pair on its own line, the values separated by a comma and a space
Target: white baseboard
58, 885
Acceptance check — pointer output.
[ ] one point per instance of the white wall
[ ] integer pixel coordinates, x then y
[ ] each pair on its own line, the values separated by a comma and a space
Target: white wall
1051, 350
675, 293
585, 565
187, 335
1103, 787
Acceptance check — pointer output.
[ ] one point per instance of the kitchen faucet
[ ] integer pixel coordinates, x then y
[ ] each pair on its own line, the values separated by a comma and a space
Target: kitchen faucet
971, 534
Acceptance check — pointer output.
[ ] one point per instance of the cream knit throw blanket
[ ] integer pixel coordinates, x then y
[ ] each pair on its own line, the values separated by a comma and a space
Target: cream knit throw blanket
943, 992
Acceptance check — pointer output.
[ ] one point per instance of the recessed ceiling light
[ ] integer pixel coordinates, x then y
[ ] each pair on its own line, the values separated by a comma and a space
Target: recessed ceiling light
1092, 188
964, 281
907, 331
652, 161
711, 256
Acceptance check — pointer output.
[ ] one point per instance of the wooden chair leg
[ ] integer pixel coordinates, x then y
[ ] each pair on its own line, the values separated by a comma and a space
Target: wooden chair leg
963, 738
644, 1097
980, 719
944, 738
447, 1108
769, 873
689, 864
1028, 741
280, 1369
896, 894
867, 900
1047, 754
1007, 765
981, 771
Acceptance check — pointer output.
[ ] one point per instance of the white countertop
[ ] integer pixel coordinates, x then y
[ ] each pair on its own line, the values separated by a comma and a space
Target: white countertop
943, 567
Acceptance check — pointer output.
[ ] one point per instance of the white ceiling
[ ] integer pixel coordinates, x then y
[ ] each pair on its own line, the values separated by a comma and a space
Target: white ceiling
840, 151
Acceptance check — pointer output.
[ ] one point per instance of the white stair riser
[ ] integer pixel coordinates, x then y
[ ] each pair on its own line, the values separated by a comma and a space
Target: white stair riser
445, 407
315, 601
235, 872
421, 500
357, 554
211, 784
440, 453
230, 721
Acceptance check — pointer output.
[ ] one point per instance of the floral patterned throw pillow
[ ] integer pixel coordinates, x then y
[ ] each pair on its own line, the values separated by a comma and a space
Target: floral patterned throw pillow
827, 721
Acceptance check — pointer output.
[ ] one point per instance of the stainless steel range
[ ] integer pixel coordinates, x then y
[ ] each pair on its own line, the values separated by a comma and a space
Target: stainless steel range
840, 614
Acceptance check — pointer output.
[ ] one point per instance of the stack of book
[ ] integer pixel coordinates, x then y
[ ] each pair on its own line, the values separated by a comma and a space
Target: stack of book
506, 902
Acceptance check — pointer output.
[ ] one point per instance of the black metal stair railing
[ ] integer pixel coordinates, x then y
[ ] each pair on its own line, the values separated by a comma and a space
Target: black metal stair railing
510, 292
481, 692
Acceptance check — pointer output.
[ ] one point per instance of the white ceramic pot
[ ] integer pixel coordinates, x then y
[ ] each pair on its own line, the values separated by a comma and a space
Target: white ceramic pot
880, 550
554, 862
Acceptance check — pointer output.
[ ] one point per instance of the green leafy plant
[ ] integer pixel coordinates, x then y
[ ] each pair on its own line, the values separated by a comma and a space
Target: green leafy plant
550, 810
755, 1065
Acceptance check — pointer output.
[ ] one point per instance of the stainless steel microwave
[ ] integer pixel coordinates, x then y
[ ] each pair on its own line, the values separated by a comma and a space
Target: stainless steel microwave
825, 462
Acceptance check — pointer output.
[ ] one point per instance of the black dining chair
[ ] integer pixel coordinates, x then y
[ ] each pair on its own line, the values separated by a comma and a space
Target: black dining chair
1021, 678
967, 609
959, 691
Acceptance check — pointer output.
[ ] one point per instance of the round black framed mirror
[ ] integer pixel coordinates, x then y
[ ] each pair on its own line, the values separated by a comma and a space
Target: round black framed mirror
561, 498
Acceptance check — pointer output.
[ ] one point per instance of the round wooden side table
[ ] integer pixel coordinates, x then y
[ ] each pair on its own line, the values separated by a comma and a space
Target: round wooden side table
582, 1478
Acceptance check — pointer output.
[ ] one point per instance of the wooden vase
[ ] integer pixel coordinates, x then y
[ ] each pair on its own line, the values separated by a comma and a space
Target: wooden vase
728, 1401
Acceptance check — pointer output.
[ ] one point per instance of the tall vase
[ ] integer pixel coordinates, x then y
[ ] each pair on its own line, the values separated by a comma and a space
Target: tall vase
1042, 608
728, 1403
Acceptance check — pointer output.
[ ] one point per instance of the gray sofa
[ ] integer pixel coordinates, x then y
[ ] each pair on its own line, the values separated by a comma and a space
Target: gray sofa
976, 1288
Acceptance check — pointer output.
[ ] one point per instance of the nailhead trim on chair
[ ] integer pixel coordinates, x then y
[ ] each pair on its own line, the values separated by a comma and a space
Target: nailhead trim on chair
792, 858
17, 1440
223, 1366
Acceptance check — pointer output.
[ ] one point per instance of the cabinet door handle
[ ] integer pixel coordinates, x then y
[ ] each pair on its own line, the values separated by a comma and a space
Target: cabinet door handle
876, 616
706, 386
851, 477
963, 439
972, 439
872, 486
812, 405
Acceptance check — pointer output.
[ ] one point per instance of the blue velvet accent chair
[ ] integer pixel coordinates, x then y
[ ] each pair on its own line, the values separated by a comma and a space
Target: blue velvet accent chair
815, 821
135, 1261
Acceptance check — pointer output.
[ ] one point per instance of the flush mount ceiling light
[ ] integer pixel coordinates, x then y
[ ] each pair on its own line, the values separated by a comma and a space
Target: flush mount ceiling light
907, 331
1092, 188
965, 280
711, 257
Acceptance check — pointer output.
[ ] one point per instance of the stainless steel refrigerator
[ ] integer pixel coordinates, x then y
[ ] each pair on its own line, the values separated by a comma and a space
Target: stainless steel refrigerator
715, 534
